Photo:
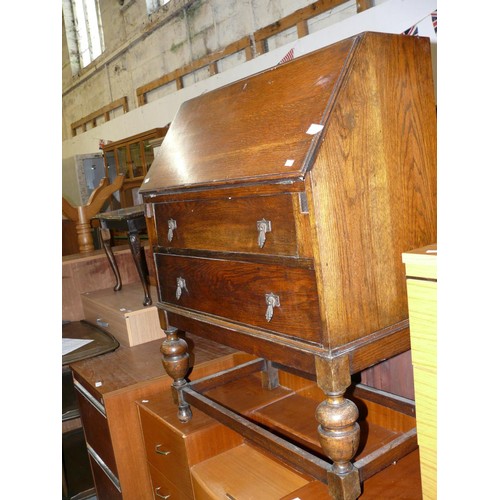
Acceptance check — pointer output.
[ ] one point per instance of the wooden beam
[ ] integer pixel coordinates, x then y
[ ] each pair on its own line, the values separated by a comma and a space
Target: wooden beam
362, 5
208, 60
300, 16
104, 111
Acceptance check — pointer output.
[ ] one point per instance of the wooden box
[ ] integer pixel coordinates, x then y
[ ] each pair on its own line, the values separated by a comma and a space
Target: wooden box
123, 315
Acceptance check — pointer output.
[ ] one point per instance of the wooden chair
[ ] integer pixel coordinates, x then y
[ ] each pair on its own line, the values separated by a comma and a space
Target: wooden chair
82, 214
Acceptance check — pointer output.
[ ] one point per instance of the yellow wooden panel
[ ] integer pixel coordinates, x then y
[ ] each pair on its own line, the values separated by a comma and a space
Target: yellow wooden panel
243, 472
426, 413
421, 262
422, 308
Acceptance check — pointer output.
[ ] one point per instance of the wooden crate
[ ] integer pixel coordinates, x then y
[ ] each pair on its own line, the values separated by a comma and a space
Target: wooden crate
123, 315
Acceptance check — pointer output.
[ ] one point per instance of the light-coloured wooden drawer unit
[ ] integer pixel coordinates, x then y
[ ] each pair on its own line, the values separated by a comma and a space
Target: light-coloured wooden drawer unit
165, 450
163, 488
260, 225
422, 306
123, 315
244, 292
173, 447
421, 273
243, 472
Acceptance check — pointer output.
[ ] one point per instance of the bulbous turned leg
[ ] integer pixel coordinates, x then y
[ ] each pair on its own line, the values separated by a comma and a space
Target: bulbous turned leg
176, 363
338, 429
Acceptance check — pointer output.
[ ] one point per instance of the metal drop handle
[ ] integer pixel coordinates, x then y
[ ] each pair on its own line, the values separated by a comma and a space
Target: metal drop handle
102, 323
172, 225
157, 493
272, 301
181, 285
161, 452
263, 227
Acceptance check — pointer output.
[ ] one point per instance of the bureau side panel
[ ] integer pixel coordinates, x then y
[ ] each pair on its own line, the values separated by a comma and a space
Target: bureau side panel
372, 190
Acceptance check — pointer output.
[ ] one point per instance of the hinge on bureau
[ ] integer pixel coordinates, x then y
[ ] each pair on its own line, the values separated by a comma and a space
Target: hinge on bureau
148, 210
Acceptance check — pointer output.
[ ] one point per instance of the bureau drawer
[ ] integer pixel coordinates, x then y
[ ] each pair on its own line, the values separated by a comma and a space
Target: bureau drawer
165, 450
244, 292
262, 225
95, 425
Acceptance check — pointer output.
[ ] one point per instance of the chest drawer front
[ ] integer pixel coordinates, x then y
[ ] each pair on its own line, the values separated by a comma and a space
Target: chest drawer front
165, 450
110, 321
96, 429
163, 488
105, 487
240, 291
262, 225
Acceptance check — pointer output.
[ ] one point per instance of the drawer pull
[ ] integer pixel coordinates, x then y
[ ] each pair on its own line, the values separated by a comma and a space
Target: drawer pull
263, 227
272, 301
159, 495
161, 452
181, 285
172, 225
102, 323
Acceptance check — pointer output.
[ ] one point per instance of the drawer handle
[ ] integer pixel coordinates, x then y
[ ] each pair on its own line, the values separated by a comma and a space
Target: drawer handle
272, 301
263, 227
161, 452
102, 323
181, 285
158, 494
172, 225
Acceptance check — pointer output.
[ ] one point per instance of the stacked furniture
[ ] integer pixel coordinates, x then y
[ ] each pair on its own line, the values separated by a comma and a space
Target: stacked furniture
278, 208
108, 389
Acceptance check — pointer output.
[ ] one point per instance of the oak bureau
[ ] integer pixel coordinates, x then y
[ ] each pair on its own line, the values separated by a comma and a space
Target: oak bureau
278, 208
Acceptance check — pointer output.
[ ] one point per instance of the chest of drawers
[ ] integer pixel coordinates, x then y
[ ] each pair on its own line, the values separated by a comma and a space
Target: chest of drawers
172, 447
108, 387
278, 208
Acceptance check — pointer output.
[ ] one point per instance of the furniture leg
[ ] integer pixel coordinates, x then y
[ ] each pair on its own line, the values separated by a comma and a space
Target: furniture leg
105, 235
176, 363
140, 263
338, 430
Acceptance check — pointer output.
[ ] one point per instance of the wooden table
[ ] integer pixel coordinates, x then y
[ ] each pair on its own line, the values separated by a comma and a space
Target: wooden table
132, 221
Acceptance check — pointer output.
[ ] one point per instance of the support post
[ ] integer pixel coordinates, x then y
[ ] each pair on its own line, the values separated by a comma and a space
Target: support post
338, 428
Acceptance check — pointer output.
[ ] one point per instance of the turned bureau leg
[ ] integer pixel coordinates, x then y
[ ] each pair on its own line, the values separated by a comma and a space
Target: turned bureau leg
338, 428
176, 363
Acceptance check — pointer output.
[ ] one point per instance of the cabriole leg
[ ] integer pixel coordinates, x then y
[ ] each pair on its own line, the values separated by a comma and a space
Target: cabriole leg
176, 363
338, 428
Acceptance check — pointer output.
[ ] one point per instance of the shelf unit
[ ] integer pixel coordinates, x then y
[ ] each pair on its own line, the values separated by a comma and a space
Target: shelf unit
132, 157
